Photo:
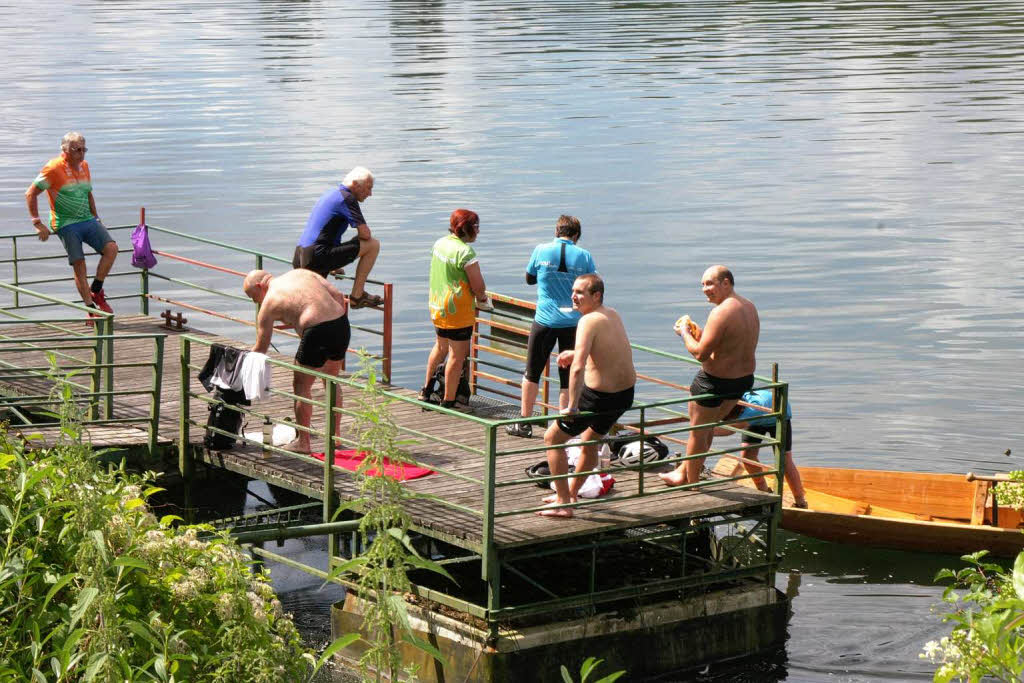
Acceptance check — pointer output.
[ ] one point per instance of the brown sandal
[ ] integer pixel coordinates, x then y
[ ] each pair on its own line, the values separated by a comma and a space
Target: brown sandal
365, 300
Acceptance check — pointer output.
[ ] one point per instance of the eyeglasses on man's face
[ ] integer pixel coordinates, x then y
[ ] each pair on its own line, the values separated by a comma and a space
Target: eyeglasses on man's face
78, 148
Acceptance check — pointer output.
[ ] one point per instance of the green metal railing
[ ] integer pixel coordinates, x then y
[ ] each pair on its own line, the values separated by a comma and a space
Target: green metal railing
54, 362
23, 257
663, 418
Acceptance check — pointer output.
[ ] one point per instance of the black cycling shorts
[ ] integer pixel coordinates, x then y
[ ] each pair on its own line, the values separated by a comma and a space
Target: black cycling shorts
322, 260
538, 350
769, 430
457, 334
609, 405
323, 342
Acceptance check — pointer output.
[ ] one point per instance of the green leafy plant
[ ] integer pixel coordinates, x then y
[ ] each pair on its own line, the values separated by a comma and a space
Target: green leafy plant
987, 640
381, 570
1011, 493
588, 667
94, 587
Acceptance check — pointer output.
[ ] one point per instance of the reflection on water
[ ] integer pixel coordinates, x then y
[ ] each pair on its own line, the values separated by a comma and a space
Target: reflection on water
858, 165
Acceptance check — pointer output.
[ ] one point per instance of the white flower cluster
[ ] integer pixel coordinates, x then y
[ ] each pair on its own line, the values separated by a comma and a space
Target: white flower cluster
956, 654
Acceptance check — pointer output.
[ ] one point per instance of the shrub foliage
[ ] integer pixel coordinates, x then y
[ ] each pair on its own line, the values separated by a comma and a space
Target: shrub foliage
94, 587
987, 639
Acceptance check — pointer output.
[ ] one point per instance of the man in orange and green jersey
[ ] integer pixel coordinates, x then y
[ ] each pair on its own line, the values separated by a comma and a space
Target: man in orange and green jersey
67, 183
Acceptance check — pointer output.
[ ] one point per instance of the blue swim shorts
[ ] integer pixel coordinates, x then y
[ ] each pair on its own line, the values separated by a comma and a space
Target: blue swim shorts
91, 232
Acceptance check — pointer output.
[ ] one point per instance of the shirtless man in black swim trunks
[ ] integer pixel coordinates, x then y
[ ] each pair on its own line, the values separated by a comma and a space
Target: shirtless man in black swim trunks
318, 312
601, 379
725, 349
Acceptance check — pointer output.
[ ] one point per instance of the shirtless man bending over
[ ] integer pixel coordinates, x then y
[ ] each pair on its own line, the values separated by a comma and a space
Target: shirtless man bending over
318, 312
725, 349
601, 379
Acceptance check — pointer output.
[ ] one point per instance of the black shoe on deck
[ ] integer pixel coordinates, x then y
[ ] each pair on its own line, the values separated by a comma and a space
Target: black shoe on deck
517, 429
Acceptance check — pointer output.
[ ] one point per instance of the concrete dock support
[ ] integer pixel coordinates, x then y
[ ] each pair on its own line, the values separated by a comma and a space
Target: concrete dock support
645, 641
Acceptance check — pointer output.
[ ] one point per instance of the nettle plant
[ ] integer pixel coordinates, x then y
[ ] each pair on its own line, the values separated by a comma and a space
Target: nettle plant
381, 570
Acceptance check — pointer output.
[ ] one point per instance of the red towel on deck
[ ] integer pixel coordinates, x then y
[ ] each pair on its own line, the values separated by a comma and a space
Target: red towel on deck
351, 460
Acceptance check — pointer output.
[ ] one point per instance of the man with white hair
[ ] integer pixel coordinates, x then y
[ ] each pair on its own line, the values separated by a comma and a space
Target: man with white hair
320, 248
68, 186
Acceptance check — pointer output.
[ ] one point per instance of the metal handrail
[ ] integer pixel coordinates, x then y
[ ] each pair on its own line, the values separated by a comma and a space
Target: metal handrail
145, 296
102, 365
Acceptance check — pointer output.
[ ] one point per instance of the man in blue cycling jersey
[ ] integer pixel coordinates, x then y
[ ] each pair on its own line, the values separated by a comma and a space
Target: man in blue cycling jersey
320, 247
553, 267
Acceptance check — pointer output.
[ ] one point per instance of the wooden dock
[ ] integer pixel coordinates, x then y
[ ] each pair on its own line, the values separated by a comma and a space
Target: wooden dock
613, 513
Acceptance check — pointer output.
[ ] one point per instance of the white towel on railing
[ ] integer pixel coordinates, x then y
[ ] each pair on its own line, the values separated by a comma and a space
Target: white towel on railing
255, 375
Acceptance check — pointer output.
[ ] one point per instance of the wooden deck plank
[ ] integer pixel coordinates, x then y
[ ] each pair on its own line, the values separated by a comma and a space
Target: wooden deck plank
612, 513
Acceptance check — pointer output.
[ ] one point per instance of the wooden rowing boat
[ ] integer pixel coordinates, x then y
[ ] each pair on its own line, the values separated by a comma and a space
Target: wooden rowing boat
943, 513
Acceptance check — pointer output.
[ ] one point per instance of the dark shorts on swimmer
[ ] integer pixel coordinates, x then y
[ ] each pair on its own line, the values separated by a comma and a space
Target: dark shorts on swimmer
609, 405
769, 431
724, 389
323, 342
457, 334
538, 350
323, 260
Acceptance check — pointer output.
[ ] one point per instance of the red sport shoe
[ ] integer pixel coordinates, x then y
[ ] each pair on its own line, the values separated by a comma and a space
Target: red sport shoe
92, 316
100, 299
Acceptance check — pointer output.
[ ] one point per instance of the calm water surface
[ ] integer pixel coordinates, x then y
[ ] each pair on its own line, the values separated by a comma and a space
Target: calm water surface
857, 164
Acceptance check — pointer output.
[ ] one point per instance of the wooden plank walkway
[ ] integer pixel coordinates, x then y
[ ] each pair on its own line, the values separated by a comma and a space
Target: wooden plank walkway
614, 512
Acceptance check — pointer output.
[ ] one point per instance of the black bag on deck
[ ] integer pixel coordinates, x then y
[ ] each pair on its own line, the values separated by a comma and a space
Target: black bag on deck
462, 393
225, 418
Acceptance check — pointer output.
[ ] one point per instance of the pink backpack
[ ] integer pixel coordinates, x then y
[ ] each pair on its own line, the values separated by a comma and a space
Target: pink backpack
142, 254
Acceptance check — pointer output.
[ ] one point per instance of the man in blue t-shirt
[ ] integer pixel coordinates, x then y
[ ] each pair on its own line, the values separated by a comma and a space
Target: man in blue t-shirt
320, 248
754, 420
553, 267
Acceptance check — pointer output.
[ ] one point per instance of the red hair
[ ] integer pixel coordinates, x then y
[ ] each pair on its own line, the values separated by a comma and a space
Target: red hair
464, 224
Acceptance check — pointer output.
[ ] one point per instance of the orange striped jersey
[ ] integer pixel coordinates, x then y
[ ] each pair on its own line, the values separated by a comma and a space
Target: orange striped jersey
68, 191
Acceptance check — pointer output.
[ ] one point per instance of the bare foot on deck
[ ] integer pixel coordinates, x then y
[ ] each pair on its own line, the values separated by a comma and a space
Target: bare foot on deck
296, 446
673, 478
555, 512
553, 498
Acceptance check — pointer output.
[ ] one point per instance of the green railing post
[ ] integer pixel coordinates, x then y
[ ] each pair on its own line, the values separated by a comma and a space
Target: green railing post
108, 372
330, 400
14, 255
779, 400
97, 383
144, 275
185, 465
490, 568
154, 409
640, 480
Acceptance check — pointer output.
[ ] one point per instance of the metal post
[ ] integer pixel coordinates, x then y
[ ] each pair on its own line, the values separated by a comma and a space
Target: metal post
547, 386
108, 398
490, 567
779, 400
330, 400
97, 383
779, 396
389, 302
185, 464
144, 275
640, 480
474, 353
154, 409
14, 254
